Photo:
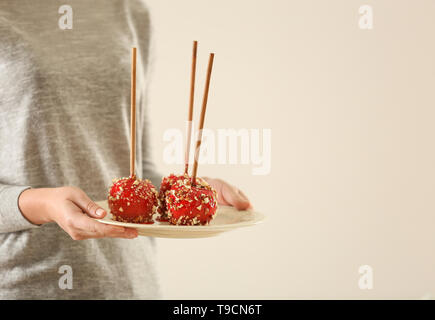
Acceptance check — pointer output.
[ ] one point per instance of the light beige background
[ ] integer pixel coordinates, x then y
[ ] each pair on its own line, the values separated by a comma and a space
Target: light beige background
353, 174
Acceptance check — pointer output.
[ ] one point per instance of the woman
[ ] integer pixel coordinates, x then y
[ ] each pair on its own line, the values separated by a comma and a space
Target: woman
64, 123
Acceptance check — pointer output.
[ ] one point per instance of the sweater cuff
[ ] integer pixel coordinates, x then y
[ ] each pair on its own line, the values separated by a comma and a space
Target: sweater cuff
11, 218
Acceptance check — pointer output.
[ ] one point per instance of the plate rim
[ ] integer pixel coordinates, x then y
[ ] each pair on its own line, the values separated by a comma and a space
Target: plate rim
259, 218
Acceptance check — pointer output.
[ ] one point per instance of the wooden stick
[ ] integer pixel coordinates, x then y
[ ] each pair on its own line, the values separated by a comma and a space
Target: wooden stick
191, 100
202, 117
133, 113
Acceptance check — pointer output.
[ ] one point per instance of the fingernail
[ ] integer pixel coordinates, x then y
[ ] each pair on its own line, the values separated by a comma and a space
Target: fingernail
99, 212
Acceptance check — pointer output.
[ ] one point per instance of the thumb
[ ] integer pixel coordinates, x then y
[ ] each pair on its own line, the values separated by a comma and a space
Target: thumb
235, 198
81, 199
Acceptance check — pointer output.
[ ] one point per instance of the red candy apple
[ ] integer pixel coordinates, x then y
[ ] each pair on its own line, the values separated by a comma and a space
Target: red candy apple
165, 186
133, 200
191, 205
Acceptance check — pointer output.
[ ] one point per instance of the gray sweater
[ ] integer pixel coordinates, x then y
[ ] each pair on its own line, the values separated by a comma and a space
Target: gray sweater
64, 120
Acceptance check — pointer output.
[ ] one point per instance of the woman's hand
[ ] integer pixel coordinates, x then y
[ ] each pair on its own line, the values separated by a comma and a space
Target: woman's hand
229, 195
72, 210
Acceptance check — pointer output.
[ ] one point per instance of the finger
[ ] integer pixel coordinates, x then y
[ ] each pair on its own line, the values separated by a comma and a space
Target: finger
108, 231
232, 196
81, 199
95, 229
246, 198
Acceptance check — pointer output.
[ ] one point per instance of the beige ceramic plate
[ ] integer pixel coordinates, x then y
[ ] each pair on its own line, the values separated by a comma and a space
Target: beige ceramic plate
226, 219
